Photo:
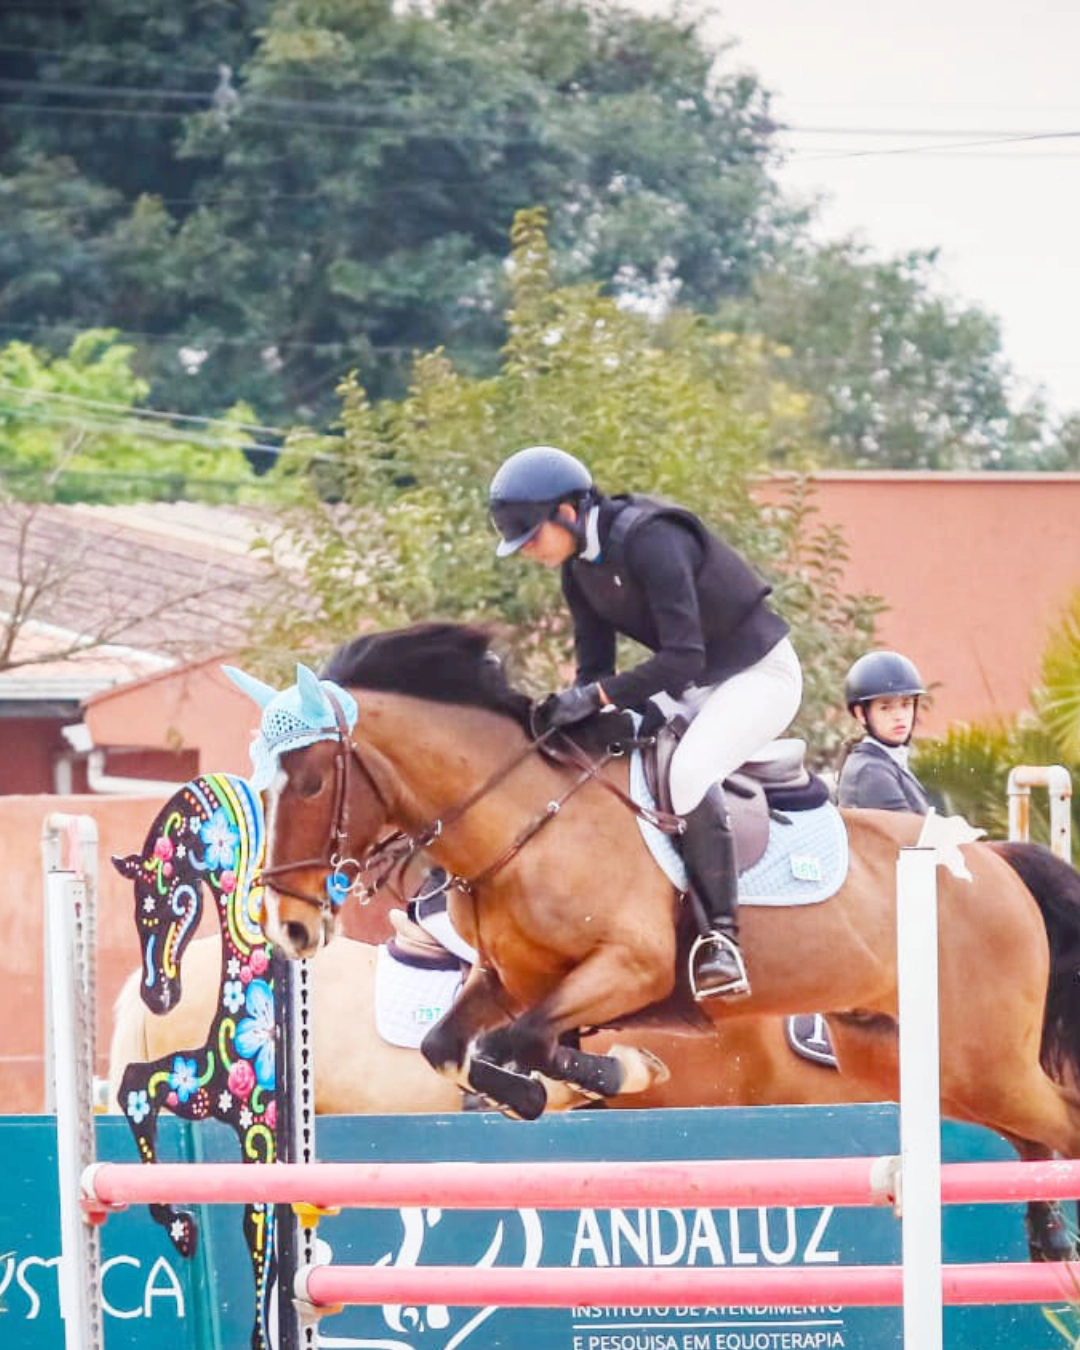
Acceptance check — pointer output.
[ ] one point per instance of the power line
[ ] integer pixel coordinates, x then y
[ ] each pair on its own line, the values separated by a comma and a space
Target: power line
151, 429
168, 63
429, 129
936, 150
339, 106
340, 347
55, 395
796, 129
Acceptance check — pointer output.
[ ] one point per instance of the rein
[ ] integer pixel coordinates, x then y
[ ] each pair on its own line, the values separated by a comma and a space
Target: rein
389, 856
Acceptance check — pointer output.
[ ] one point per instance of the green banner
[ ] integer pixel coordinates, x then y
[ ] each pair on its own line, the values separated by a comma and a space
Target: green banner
155, 1297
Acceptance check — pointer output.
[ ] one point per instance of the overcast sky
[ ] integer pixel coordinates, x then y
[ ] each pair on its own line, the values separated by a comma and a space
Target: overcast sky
1005, 216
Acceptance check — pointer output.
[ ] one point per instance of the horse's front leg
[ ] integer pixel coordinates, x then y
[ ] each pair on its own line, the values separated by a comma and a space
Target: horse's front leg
143, 1092
543, 1040
448, 1046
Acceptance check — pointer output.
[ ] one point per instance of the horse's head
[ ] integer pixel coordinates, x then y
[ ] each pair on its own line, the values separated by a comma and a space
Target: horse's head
323, 806
209, 831
329, 791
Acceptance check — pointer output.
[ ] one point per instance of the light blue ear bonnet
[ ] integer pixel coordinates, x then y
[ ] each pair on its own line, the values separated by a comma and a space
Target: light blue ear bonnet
291, 718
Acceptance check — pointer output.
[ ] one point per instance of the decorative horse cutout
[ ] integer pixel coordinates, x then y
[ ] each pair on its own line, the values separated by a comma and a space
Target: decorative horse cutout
577, 927
209, 833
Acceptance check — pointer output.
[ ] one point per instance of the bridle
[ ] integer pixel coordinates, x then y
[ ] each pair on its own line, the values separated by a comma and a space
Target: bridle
334, 858
387, 858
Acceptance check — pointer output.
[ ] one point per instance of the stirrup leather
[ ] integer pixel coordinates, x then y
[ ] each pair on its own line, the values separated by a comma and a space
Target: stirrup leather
737, 987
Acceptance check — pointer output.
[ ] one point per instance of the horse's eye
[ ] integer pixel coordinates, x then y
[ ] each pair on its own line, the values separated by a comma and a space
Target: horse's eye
309, 785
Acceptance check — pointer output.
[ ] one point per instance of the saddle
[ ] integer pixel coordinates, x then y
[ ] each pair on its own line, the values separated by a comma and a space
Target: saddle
772, 785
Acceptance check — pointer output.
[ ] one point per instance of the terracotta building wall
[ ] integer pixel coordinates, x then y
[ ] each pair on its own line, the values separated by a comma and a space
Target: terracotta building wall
195, 708
29, 750
975, 569
122, 825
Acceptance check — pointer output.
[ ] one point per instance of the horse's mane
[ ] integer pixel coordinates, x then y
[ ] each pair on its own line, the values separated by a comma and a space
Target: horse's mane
444, 662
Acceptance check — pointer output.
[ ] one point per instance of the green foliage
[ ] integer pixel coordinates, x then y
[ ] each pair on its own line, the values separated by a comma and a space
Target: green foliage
1057, 700
70, 431
970, 765
343, 198
903, 377
670, 409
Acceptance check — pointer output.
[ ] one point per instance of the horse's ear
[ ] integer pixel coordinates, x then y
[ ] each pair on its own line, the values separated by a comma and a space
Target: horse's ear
314, 705
255, 689
130, 866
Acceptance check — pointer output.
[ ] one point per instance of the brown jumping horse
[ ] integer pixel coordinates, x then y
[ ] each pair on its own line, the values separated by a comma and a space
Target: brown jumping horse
578, 928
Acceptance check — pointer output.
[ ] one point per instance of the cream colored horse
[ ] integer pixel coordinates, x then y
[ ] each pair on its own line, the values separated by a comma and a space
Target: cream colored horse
741, 1063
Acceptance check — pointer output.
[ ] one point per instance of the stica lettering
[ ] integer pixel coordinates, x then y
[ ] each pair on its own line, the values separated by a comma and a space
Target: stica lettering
26, 1292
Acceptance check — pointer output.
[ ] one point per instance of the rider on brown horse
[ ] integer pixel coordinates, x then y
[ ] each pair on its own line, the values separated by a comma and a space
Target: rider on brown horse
721, 659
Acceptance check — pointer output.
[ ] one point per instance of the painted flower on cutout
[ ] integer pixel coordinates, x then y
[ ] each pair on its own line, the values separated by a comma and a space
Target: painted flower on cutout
255, 1033
220, 839
138, 1106
242, 1079
232, 995
184, 1079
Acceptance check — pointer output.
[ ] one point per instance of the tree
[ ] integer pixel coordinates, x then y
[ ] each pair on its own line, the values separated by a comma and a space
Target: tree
670, 408
903, 377
348, 203
70, 431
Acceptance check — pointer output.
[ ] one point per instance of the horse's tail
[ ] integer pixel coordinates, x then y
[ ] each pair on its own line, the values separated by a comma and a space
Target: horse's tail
1056, 888
128, 1044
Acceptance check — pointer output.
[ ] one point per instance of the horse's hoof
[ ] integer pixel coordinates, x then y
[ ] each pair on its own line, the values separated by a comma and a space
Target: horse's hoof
641, 1068
516, 1093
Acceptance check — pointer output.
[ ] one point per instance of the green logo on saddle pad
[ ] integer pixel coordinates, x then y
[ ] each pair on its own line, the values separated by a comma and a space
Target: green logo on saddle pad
805, 868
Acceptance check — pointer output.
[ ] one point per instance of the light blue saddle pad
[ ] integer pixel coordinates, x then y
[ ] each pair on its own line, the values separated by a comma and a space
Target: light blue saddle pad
804, 862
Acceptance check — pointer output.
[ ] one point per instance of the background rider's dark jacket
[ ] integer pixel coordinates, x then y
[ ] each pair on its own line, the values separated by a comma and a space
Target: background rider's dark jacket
871, 777
672, 585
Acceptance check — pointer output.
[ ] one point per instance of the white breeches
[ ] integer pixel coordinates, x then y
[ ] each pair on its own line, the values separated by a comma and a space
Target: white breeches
731, 722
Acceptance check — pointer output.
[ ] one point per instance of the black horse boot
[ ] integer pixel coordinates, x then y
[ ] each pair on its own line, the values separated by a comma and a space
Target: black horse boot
708, 847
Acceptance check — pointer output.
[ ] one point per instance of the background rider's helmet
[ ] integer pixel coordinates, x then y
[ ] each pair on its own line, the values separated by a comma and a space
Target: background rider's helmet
881, 675
527, 490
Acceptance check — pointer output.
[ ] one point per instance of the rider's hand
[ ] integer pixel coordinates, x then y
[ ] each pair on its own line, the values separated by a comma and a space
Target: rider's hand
568, 706
652, 719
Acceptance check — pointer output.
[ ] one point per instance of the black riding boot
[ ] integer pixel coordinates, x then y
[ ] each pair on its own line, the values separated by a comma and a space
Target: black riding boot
708, 846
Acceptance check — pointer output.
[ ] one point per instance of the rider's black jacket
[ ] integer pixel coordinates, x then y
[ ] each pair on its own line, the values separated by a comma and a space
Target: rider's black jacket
665, 580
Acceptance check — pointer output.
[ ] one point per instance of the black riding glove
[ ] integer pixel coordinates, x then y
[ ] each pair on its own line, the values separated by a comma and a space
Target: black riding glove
652, 719
568, 706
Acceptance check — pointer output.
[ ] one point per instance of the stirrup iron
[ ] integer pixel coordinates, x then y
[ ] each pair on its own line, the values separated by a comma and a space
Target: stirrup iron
737, 987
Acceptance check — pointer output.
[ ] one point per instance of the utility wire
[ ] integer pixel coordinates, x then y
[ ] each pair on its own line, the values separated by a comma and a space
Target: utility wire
155, 431
341, 347
936, 150
383, 108
55, 395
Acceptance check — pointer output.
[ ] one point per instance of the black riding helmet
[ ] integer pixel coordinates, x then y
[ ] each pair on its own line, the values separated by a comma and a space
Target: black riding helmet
881, 675
527, 490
